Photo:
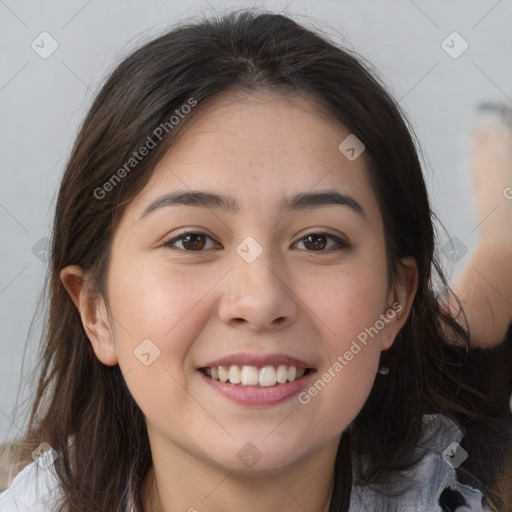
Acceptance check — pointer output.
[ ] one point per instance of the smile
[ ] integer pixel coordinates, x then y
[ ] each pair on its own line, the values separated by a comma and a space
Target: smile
264, 376
261, 386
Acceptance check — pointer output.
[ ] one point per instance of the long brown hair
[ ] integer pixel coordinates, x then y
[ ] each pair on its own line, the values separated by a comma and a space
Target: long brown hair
80, 399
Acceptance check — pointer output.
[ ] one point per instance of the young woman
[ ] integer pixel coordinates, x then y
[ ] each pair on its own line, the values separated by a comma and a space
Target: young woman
242, 307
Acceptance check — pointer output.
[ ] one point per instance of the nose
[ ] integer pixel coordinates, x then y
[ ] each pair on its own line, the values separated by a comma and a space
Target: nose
259, 296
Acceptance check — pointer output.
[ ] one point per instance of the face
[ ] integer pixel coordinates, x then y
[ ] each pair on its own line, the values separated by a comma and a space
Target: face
281, 282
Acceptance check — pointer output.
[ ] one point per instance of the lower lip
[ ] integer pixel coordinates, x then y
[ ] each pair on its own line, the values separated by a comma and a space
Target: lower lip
252, 395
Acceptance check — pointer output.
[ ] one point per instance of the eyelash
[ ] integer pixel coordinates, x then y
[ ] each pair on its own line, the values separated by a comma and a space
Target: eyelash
341, 245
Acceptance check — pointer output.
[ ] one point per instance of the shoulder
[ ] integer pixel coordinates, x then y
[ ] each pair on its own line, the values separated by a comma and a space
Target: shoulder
432, 484
35, 489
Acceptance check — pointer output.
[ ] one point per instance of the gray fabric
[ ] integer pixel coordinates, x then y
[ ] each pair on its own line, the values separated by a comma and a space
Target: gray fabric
419, 489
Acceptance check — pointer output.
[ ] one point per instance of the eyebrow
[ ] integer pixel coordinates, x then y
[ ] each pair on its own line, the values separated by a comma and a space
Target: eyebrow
300, 201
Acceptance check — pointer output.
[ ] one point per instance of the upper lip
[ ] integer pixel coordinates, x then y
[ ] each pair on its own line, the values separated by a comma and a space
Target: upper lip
244, 359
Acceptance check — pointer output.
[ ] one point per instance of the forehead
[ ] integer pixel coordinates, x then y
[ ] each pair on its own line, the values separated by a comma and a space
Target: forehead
260, 147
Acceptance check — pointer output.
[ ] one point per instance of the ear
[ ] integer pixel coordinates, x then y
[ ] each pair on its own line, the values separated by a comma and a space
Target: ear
400, 298
93, 312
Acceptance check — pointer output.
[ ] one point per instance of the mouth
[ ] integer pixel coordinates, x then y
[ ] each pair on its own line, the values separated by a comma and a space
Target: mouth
256, 379
255, 376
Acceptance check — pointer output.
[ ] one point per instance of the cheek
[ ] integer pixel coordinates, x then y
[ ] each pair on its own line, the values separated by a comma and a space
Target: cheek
350, 299
350, 304
160, 313
353, 386
157, 302
158, 317
341, 387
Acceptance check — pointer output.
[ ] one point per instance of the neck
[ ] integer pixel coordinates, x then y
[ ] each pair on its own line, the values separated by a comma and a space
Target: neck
195, 486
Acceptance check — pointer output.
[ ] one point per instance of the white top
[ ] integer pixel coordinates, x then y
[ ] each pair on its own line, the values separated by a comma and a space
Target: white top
36, 488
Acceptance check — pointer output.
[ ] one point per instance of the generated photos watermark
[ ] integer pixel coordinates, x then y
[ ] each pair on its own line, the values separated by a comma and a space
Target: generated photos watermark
44, 455
151, 142
344, 359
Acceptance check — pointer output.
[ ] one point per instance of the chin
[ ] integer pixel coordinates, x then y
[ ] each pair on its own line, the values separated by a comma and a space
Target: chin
260, 455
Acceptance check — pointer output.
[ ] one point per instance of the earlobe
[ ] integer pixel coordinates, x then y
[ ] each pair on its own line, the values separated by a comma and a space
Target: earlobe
93, 313
400, 299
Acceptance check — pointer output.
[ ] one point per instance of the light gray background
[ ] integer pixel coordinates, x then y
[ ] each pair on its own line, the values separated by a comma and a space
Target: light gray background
42, 102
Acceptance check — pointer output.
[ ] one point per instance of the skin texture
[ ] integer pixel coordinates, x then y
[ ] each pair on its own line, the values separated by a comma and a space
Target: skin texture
199, 306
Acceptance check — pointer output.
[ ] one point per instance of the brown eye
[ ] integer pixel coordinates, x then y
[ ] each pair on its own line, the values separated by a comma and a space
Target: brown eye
193, 242
315, 242
318, 241
190, 241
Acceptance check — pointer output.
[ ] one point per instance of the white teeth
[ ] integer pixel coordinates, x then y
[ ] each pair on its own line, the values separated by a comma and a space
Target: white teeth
223, 373
234, 374
249, 376
282, 373
265, 376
